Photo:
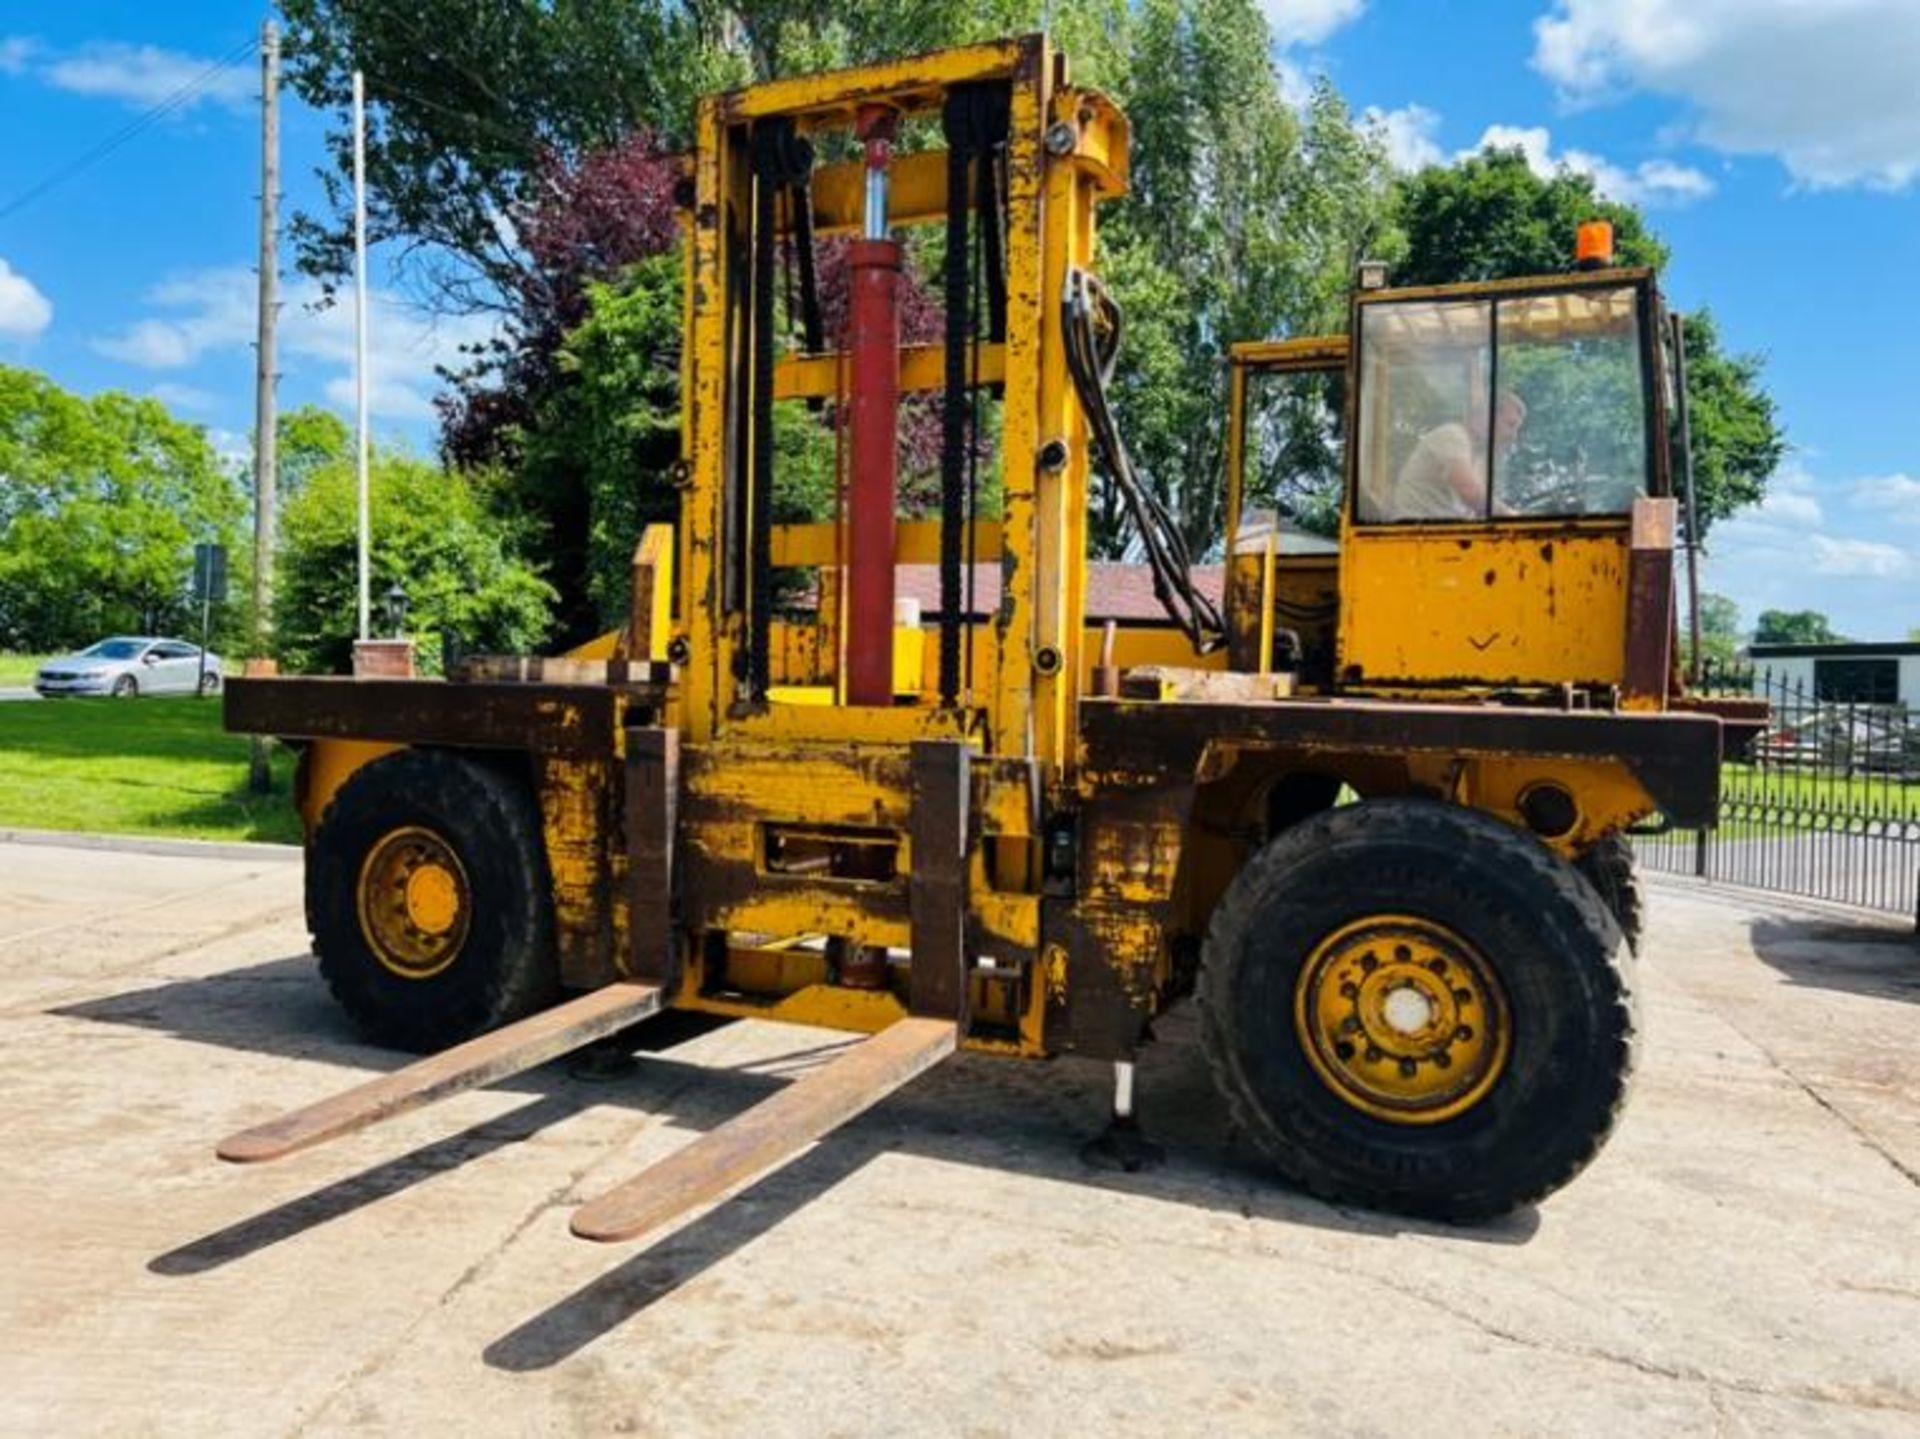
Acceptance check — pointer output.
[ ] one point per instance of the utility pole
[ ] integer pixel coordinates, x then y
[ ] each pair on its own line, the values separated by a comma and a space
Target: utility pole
266, 469
362, 442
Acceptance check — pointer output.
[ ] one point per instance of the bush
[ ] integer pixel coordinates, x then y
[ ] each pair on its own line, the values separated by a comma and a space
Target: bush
458, 564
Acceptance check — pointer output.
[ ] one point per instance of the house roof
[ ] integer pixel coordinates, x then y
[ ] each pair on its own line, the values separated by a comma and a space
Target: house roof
1115, 591
1843, 649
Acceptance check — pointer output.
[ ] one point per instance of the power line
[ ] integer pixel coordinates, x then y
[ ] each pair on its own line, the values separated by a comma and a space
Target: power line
151, 116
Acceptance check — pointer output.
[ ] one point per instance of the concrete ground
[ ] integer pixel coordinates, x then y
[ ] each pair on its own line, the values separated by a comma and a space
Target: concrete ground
1744, 1258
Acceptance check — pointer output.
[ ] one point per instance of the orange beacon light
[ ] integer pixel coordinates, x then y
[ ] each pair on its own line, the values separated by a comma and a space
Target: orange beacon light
1593, 246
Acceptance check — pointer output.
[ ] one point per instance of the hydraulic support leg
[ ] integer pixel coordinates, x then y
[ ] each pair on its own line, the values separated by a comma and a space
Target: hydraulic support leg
1123, 1145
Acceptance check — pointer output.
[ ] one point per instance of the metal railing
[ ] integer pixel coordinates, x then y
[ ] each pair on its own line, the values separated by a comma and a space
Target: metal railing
1826, 805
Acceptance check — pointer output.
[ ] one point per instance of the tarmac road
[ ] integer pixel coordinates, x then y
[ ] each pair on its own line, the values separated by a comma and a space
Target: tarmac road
1742, 1259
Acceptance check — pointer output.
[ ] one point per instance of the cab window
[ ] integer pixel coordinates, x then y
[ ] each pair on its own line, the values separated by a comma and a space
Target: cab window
1293, 447
1530, 405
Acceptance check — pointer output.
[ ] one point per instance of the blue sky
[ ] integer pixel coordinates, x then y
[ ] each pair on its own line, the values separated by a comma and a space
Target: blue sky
1774, 143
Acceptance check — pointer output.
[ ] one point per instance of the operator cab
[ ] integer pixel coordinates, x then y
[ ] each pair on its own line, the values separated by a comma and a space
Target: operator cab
1493, 444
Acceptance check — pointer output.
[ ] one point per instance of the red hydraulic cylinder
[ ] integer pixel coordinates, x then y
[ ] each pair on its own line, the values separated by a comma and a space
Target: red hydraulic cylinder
873, 342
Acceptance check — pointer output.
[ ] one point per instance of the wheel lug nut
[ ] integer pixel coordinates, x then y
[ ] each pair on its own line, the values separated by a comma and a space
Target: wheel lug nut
1368, 963
1442, 1058
1408, 1069
1349, 1025
1463, 996
1349, 991
1374, 1056
1402, 953
1343, 1050
1463, 1033
1438, 966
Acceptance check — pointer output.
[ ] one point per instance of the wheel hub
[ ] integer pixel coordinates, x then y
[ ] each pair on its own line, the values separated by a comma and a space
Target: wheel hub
1402, 1019
414, 902
433, 898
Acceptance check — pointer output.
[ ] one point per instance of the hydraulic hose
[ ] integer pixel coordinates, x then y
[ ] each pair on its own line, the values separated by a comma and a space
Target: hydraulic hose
1092, 322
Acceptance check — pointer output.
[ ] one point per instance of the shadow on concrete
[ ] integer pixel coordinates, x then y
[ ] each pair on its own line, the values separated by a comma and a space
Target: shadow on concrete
343, 1197
1876, 960
1027, 1118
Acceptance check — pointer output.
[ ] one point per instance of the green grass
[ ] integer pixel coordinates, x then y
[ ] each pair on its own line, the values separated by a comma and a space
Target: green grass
151, 766
1809, 788
16, 671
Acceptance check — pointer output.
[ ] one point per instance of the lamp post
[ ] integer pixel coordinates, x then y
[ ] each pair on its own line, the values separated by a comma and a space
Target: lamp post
396, 602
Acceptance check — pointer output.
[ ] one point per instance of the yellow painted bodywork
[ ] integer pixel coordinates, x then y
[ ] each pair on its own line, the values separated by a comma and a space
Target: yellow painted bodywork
1479, 606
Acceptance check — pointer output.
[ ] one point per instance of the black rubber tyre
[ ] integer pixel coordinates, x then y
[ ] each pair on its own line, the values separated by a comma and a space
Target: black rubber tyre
503, 965
1539, 928
126, 688
1609, 867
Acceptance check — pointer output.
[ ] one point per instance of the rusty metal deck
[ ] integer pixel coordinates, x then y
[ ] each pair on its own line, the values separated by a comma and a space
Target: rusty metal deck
500, 1055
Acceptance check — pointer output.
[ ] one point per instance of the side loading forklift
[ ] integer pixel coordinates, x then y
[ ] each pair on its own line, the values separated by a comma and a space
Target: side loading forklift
1366, 808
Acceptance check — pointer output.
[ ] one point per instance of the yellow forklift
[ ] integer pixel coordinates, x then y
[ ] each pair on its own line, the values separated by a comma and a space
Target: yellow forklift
1366, 806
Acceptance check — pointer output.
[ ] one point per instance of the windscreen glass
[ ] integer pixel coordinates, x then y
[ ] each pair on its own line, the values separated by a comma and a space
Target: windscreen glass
1529, 406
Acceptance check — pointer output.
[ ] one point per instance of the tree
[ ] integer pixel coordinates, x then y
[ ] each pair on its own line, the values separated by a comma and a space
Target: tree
1794, 627
469, 105
608, 434
309, 439
458, 564
101, 504
1490, 217
1244, 222
1737, 441
490, 133
472, 105
1719, 629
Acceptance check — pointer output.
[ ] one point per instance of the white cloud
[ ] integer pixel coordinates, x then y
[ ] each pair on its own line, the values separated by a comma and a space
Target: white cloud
1308, 22
215, 310
15, 51
1821, 545
143, 75
1296, 85
1832, 555
1408, 133
181, 397
1826, 85
1652, 182
24, 311
1790, 501
1896, 495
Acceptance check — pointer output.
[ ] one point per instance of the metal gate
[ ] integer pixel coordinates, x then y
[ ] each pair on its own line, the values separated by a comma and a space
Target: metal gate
1827, 805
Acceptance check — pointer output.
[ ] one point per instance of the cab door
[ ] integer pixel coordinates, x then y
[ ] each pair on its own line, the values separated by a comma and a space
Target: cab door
1286, 465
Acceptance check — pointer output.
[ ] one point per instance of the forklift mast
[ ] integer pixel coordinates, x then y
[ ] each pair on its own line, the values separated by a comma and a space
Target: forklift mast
1026, 159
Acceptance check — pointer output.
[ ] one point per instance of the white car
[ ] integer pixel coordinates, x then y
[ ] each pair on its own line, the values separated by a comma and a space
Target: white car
131, 665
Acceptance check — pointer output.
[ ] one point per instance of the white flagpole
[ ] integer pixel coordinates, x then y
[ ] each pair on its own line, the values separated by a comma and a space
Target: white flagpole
363, 442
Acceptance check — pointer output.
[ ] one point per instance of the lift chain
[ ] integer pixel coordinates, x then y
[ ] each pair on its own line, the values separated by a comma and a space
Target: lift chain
975, 121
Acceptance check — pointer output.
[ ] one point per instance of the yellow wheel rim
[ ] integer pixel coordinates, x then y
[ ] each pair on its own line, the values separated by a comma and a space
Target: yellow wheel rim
1402, 1019
414, 902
